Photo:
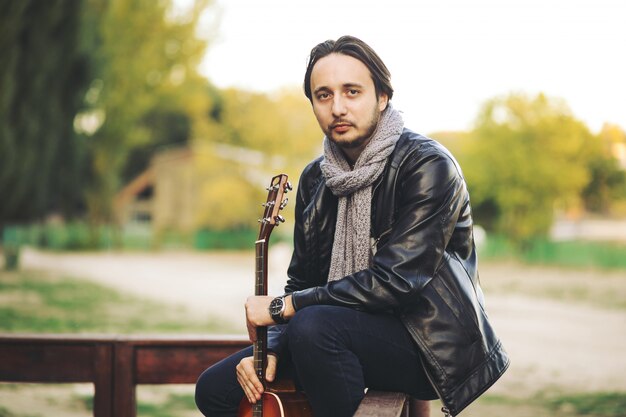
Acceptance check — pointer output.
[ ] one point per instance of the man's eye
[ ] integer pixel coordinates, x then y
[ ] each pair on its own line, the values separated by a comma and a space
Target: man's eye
353, 92
323, 96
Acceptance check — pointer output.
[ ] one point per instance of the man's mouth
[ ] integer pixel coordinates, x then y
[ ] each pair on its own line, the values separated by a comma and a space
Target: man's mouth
341, 127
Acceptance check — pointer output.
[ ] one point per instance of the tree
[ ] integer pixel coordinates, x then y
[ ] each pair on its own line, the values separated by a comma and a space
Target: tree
144, 57
44, 73
82, 84
607, 184
278, 124
527, 157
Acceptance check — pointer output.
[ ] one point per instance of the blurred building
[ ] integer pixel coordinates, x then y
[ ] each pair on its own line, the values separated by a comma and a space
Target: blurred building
191, 187
163, 196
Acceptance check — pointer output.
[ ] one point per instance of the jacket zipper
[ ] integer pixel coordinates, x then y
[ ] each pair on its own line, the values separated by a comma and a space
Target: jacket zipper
445, 410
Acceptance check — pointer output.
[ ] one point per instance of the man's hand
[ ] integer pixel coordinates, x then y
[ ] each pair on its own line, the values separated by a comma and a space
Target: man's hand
247, 378
258, 313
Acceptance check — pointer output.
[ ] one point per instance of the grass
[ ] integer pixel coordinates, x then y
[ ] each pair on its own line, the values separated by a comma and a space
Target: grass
4, 412
597, 404
76, 400
37, 302
608, 404
174, 404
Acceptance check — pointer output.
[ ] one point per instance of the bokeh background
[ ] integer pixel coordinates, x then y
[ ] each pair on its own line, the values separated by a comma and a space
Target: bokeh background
137, 137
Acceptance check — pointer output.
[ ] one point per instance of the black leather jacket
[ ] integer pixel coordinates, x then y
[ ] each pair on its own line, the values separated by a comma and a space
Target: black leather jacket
424, 268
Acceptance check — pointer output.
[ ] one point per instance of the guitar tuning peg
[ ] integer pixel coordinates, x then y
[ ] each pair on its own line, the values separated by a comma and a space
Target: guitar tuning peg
288, 186
284, 203
279, 219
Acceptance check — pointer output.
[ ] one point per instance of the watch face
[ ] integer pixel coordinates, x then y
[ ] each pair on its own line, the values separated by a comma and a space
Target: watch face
276, 306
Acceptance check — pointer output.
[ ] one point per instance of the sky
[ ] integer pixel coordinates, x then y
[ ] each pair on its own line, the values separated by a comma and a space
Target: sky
446, 57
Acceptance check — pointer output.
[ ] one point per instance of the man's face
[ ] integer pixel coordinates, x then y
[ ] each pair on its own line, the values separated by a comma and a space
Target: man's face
345, 102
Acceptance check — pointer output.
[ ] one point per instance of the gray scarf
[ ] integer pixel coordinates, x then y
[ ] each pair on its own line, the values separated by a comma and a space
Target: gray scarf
351, 247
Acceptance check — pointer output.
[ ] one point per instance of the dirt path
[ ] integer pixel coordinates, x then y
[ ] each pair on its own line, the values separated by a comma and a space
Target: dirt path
554, 345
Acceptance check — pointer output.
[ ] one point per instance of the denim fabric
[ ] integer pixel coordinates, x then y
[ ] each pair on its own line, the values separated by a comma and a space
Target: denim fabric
336, 352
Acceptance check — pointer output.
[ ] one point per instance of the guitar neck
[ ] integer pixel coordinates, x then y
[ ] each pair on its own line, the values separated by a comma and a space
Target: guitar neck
271, 218
260, 282
260, 345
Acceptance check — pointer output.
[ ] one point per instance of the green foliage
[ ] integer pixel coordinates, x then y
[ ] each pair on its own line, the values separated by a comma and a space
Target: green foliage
607, 185
577, 254
77, 236
262, 135
92, 90
69, 236
526, 158
281, 124
84, 84
228, 239
44, 73
144, 59
566, 253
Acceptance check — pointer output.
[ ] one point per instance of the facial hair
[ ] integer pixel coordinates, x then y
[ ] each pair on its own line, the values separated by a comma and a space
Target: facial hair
359, 141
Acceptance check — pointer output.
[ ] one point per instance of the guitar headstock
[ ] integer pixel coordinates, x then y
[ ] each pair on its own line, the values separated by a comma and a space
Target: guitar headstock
276, 201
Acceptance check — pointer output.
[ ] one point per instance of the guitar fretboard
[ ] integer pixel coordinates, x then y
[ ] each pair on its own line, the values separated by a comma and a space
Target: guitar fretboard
260, 288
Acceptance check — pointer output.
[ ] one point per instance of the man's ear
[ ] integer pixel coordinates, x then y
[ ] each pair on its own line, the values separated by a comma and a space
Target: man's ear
383, 100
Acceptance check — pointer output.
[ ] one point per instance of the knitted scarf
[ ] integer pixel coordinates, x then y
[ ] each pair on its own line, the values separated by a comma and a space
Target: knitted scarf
351, 248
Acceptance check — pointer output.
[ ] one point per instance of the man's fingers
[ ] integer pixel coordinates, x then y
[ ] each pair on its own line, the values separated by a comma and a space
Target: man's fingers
247, 378
270, 371
248, 388
251, 395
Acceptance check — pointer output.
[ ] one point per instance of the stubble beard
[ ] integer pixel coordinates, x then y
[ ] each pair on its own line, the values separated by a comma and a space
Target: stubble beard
361, 140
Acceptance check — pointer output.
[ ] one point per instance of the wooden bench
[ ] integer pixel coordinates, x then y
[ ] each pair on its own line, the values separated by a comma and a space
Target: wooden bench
384, 404
116, 364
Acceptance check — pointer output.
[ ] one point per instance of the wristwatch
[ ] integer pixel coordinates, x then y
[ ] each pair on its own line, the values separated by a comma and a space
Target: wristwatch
277, 309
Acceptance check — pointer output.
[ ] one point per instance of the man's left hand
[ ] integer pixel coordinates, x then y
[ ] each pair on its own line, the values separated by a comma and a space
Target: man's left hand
258, 313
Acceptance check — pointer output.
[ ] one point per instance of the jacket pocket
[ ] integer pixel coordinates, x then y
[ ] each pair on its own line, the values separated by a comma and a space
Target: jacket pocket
454, 311
445, 326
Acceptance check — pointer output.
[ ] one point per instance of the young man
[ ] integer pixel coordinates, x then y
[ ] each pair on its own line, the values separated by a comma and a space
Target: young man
383, 288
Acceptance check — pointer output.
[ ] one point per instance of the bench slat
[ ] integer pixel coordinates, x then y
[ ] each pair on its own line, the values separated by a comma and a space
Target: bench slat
383, 404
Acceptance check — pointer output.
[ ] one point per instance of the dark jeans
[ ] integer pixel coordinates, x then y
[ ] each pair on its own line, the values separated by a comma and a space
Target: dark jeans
336, 353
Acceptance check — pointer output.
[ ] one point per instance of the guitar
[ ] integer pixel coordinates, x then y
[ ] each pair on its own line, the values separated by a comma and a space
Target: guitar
278, 400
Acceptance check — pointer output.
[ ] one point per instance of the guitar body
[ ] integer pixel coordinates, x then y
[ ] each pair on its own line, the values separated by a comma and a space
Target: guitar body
284, 404
280, 399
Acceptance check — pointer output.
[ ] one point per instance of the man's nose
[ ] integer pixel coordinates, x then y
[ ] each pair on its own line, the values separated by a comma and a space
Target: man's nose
339, 105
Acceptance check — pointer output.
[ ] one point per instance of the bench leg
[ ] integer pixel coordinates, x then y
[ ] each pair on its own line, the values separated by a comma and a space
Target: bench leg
419, 408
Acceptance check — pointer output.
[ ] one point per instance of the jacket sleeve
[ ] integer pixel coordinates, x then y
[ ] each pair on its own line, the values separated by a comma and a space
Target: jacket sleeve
307, 265
431, 193
277, 339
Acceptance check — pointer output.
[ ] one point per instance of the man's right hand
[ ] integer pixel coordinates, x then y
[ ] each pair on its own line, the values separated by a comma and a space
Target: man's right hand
247, 378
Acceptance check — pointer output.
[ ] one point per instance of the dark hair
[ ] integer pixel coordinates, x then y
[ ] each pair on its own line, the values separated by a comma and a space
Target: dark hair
356, 48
